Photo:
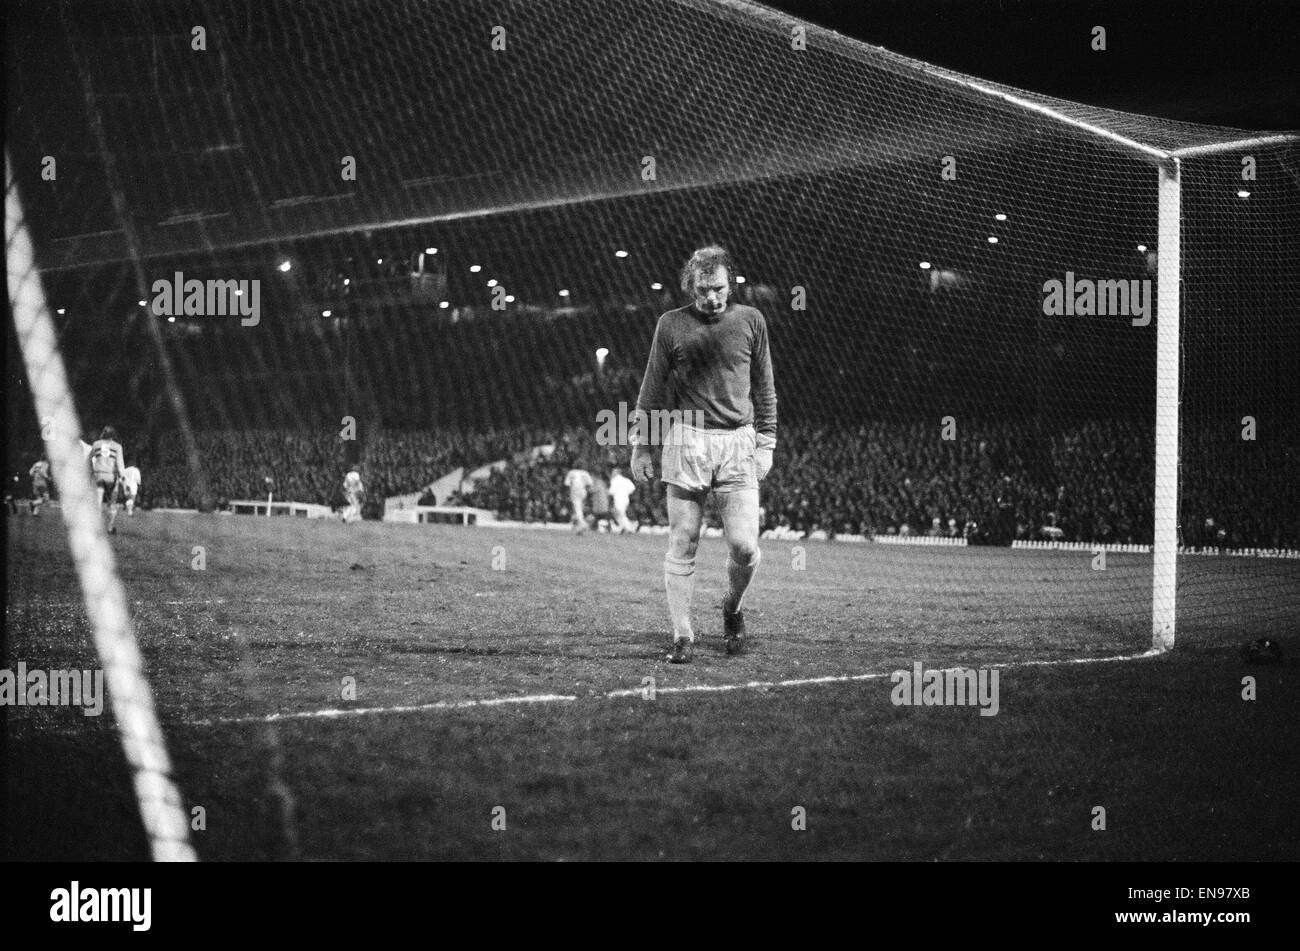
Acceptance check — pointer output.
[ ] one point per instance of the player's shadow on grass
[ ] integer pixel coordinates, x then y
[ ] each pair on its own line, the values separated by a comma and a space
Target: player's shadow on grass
576, 650
642, 645
658, 644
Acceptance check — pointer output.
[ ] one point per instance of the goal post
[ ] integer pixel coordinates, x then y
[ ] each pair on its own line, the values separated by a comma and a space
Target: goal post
130, 697
1164, 551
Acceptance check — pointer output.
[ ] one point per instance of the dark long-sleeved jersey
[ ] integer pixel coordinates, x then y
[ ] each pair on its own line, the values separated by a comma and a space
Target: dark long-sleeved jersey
717, 365
106, 460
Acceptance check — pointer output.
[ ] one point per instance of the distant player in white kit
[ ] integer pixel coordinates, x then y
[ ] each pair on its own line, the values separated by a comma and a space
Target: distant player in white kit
354, 492
579, 482
131, 488
620, 490
40, 473
106, 468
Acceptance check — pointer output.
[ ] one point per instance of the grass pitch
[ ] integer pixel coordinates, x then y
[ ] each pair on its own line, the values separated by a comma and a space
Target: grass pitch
245, 654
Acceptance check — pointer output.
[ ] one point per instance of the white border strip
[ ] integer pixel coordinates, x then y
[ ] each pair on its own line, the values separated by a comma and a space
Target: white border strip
1122, 548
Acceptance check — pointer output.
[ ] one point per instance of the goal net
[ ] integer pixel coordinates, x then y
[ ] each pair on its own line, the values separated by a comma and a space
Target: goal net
276, 241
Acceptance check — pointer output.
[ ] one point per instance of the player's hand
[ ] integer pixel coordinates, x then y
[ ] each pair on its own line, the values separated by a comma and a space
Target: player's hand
765, 447
643, 464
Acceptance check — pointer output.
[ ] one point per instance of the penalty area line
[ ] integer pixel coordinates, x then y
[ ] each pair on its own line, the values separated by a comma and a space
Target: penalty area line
341, 712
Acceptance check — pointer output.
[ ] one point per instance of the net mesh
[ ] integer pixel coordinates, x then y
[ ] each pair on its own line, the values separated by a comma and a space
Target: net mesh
897, 224
1240, 462
227, 160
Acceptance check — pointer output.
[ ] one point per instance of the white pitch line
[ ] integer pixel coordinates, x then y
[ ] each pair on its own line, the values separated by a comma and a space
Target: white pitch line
364, 711
335, 713
81, 604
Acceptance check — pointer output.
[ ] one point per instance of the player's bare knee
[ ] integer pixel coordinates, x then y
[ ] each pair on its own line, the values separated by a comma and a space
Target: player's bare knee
683, 543
745, 552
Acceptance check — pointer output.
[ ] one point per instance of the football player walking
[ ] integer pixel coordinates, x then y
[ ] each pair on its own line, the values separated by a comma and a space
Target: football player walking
711, 360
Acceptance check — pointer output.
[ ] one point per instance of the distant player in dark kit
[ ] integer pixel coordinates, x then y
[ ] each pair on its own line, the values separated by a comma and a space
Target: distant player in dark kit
711, 361
107, 466
599, 503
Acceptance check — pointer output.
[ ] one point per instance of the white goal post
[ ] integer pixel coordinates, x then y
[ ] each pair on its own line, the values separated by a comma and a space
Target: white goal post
1164, 562
130, 698
1164, 553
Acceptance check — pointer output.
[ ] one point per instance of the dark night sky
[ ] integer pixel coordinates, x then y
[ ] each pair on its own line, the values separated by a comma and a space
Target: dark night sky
1221, 62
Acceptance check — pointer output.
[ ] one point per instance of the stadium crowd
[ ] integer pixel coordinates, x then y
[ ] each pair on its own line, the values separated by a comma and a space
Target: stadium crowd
989, 483
309, 467
532, 490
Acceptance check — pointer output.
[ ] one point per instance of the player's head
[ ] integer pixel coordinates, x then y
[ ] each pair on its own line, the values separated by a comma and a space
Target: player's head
109, 433
708, 277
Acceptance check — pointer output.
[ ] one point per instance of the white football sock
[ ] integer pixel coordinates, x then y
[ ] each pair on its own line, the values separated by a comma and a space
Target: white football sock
679, 582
